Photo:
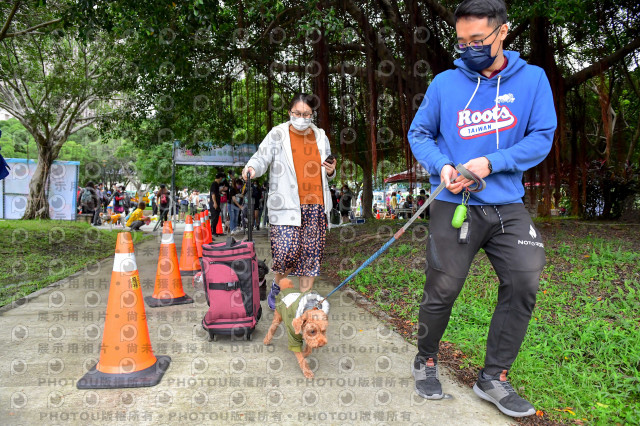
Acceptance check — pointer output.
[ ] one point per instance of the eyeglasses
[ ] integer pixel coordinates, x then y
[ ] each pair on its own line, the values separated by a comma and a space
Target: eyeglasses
297, 114
476, 45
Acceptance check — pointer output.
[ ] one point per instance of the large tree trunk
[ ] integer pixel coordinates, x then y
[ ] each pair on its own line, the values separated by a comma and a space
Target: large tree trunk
574, 184
367, 189
542, 55
38, 204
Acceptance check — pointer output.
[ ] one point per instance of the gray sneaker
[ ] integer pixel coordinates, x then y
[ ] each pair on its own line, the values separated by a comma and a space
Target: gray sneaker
499, 391
426, 375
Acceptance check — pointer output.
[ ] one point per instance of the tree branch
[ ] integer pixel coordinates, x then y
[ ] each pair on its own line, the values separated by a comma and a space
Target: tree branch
7, 23
445, 14
32, 29
516, 32
602, 65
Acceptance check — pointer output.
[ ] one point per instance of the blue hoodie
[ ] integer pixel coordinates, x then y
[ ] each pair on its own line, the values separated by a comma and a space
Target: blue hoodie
458, 118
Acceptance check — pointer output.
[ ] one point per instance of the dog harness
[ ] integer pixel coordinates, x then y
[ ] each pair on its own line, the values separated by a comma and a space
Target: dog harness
290, 304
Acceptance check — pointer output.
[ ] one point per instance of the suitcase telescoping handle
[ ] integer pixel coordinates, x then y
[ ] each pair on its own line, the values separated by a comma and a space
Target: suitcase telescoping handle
249, 208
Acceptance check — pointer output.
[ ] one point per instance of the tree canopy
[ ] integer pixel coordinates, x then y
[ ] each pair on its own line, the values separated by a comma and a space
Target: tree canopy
207, 70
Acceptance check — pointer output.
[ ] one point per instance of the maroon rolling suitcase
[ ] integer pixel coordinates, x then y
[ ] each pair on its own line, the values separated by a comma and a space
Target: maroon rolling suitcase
231, 285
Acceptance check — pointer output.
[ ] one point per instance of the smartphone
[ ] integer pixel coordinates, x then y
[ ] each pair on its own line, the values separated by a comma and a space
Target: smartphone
330, 159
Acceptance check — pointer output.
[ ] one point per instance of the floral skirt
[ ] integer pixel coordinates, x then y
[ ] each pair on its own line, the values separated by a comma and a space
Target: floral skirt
300, 248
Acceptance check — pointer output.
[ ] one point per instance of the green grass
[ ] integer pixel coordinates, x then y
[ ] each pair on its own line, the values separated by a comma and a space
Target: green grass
580, 360
37, 253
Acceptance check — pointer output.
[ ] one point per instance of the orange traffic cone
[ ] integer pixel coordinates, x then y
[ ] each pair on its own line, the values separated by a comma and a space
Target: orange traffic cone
168, 289
189, 263
219, 230
197, 231
208, 227
378, 215
126, 357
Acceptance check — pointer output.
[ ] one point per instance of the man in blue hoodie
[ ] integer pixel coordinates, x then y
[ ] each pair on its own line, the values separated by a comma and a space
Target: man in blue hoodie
494, 114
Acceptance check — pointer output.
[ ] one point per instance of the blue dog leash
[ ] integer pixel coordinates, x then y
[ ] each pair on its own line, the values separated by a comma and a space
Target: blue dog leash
477, 187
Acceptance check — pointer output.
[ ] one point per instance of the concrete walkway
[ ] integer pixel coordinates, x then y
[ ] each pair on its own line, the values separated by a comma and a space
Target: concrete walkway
362, 376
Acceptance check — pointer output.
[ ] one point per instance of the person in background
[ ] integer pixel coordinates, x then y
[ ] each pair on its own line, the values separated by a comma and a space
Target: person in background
102, 195
184, 203
345, 203
235, 204
164, 202
393, 203
215, 202
422, 198
118, 201
256, 194
78, 203
90, 202
194, 201
265, 207
224, 203
126, 202
153, 196
137, 218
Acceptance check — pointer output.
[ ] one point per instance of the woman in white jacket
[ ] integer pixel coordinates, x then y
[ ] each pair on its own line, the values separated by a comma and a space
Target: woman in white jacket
299, 200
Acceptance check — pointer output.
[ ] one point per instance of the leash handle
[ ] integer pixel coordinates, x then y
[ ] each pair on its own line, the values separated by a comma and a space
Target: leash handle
479, 186
479, 182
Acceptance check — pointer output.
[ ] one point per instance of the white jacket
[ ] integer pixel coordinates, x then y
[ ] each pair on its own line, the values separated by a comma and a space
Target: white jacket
283, 199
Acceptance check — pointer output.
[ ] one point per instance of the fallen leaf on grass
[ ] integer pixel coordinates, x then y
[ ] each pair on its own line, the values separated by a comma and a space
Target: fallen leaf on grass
566, 410
599, 404
540, 413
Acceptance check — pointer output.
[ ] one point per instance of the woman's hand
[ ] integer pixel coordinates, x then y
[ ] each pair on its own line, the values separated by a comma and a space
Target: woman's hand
330, 167
248, 171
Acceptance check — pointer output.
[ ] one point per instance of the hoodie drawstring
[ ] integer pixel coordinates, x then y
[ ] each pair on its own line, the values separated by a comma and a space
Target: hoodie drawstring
496, 116
474, 94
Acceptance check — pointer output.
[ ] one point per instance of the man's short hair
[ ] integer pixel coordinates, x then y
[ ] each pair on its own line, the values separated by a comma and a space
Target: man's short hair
494, 10
220, 175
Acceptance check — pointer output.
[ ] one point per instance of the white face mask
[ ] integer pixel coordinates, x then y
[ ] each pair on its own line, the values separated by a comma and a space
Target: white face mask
300, 123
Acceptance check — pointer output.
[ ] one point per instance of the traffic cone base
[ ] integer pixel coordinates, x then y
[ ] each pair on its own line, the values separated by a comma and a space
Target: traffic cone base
152, 302
150, 376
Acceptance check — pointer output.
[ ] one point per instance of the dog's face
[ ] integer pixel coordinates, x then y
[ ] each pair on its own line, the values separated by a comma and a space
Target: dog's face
313, 327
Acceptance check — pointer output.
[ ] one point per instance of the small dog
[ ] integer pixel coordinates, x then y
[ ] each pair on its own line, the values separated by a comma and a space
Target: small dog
113, 219
263, 270
307, 322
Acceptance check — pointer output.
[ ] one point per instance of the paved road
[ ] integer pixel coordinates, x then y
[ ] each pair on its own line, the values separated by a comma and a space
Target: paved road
362, 376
